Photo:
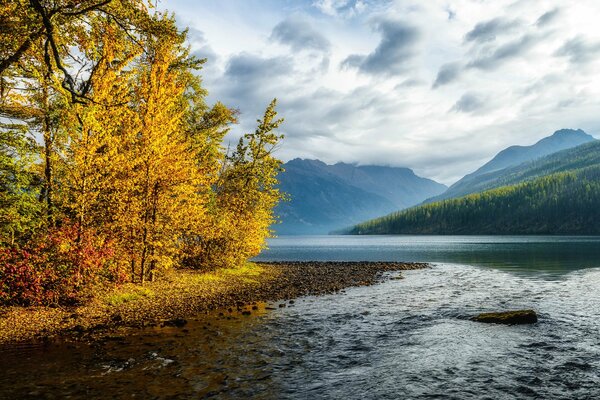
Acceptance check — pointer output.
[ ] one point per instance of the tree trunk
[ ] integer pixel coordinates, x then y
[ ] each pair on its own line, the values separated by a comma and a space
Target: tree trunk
47, 190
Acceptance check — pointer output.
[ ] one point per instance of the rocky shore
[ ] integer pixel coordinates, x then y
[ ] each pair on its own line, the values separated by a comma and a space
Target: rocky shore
185, 294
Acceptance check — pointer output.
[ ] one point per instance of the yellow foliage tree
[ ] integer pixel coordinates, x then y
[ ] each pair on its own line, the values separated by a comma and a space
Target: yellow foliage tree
244, 197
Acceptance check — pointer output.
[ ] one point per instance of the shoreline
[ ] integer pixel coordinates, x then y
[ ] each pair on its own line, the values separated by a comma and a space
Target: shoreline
185, 294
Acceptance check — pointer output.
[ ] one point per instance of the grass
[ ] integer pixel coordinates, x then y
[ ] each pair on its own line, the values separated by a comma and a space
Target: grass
185, 281
128, 294
246, 273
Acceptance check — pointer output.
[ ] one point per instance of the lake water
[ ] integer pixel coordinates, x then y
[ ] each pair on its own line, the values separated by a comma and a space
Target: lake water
521, 254
406, 339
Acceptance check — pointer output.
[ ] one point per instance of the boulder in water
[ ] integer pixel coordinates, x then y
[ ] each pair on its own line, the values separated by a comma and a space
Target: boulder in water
517, 317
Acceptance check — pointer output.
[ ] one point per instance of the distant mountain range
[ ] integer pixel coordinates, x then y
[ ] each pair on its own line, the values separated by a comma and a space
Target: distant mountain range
329, 197
556, 193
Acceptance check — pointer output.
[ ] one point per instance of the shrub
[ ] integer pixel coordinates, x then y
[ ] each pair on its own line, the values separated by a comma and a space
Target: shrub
61, 268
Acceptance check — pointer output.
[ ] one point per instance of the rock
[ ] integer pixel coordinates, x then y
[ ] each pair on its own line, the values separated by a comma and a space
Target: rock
177, 322
517, 317
116, 318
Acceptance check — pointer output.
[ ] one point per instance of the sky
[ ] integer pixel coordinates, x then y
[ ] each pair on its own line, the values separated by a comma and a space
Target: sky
436, 86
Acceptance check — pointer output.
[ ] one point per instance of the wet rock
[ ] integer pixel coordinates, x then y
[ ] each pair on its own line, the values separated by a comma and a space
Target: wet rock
113, 339
517, 317
116, 318
177, 322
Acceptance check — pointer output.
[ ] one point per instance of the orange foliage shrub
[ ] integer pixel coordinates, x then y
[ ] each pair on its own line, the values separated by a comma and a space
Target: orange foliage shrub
60, 268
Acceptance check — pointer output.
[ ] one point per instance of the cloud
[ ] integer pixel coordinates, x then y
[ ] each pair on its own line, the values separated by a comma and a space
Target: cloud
394, 52
345, 8
505, 52
469, 103
410, 83
447, 73
488, 30
193, 35
548, 17
298, 33
251, 81
579, 50
249, 67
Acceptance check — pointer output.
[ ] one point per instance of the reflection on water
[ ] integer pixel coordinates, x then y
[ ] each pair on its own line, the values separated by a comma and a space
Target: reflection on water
407, 338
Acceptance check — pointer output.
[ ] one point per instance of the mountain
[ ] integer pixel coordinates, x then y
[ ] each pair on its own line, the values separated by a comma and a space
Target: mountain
556, 194
487, 176
327, 197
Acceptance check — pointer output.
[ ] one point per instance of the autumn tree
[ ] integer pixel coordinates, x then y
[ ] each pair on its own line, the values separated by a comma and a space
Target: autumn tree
245, 194
161, 189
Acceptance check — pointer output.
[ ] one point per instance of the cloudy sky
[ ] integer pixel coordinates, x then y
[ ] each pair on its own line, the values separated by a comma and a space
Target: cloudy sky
437, 86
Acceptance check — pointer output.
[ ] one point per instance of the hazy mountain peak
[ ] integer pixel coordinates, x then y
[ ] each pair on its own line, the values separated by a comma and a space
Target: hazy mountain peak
327, 197
571, 132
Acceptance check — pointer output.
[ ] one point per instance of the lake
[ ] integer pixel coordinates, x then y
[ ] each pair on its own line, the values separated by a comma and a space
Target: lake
409, 338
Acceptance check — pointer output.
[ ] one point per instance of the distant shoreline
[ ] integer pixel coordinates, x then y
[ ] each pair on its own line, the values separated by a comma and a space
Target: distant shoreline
186, 294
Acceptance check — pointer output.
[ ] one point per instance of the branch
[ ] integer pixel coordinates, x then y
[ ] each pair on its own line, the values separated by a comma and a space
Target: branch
87, 9
4, 64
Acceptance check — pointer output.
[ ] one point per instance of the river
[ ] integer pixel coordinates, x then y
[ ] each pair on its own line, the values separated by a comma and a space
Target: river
407, 339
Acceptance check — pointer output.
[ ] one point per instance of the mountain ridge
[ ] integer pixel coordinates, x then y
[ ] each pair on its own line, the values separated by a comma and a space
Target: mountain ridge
513, 156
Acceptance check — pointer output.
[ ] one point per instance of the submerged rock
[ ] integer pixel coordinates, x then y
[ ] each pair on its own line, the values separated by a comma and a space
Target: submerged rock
517, 317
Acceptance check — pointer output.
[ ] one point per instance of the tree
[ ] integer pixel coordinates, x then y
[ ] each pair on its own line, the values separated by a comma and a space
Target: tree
59, 26
19, 207
245, 195
161, 189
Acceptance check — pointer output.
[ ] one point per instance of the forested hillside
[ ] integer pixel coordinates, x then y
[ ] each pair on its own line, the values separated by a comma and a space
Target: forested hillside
558, 152
560, 203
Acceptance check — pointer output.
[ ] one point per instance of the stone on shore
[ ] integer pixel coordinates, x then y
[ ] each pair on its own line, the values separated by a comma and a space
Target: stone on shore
517, 317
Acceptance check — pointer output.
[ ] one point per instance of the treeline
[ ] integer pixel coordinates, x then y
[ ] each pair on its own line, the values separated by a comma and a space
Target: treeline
561, 203
112, 165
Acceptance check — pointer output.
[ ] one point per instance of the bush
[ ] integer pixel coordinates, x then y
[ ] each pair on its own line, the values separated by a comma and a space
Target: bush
61, 268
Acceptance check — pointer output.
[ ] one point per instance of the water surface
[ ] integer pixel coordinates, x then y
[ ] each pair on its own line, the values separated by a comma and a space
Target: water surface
408, 338
544, 254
